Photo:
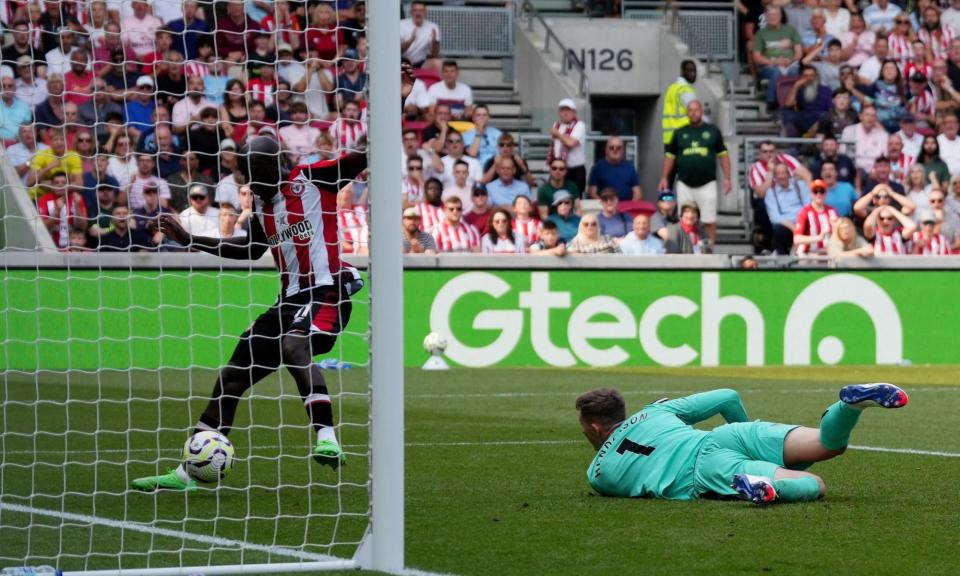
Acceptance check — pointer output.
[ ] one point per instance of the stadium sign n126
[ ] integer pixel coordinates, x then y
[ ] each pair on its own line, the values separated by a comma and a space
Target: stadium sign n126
613, 318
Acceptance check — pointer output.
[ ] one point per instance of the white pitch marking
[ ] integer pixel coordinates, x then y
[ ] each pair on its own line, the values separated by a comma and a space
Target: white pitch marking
905, 451
166, 532
655, 392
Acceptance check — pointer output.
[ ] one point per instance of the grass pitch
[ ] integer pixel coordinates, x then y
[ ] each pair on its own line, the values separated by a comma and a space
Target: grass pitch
495, 480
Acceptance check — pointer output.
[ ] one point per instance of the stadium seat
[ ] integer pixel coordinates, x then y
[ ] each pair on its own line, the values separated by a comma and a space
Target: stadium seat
784, 84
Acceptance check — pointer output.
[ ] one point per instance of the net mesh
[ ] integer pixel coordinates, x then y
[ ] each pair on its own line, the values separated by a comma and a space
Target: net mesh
113, 333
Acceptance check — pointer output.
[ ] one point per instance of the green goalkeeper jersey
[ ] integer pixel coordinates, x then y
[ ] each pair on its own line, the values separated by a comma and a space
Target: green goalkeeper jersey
654, 452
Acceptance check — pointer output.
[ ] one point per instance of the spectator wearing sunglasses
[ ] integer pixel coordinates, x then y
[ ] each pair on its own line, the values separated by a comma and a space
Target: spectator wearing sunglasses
557, 181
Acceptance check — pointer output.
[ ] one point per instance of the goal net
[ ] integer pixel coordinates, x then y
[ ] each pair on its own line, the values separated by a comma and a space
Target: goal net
113, 334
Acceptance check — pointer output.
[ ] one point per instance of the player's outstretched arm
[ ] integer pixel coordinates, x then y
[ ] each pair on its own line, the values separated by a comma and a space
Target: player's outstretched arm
698, 407
333, 172
250, 248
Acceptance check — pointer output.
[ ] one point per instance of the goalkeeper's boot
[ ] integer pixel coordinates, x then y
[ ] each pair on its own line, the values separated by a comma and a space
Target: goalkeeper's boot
878, 394
757, 489
329, 453
169, 481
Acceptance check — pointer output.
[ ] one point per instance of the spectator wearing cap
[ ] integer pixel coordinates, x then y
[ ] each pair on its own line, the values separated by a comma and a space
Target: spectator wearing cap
235, 32
911, 138
687, 236
665, 215
31, 89
299, 137
927, 240
869, 136
288, 68
188, 174
613, 171
20, 154
613, 222
186, 113
922, 104
414, 241
479, 215
881, 174
568, 136
11, 54
352, 80
56, 159
784, 200
228, 187
840, 195
138, 110
814, 222
505, 188
146, 175
640, 241
93, 179
461, 186
804, 104
140, 29
200, 218
695, 151
566, 220
188, 30
557, 181
481, 141
451, 91
419, 37
13, 112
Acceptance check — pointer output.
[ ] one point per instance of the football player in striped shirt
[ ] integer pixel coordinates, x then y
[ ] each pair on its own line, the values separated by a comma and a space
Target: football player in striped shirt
296, 219
657, 453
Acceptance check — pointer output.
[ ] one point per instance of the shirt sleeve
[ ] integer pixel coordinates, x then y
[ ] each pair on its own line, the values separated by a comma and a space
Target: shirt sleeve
345, 168
720, 146
699, 407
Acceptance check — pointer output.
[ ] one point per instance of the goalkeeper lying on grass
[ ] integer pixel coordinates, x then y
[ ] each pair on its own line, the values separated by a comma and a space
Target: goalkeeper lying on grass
656, 453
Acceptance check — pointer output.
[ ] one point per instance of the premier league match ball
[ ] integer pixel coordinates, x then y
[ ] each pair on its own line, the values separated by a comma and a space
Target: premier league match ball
208, 456
435, 344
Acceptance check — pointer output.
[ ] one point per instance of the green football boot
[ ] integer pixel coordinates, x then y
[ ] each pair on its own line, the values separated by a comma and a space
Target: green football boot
168, 481
329, 453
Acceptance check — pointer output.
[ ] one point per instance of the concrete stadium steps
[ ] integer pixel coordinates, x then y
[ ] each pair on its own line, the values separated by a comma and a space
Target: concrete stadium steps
486, 77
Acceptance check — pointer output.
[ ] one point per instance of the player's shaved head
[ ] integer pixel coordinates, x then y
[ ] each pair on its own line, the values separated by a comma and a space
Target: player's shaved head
259, 164
604, 406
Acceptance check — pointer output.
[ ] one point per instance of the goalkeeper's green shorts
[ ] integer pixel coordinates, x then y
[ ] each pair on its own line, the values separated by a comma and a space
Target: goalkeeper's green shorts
754, 448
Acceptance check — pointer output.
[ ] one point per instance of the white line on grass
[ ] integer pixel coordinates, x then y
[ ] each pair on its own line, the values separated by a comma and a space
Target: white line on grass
166, 532
655, 392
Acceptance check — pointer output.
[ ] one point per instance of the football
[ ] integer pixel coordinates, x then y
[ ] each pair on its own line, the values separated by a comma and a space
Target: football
208, 456
434, 343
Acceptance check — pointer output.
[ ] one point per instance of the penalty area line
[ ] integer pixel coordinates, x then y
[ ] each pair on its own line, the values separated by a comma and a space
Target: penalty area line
84, 519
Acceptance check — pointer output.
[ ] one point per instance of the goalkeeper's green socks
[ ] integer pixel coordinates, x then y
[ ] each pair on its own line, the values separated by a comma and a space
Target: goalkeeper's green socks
804, 489
837, 423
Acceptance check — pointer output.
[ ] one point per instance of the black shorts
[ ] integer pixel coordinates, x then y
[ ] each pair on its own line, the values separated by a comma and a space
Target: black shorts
320, 313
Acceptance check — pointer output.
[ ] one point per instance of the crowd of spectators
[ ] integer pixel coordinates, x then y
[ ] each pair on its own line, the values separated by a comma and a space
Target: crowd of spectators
878, 85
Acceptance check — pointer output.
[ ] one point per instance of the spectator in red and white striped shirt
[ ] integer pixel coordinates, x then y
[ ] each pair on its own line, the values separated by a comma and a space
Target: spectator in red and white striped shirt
928, 241
348, 131
900, 163
768, 155
922, 104
352, 223
526, 226
937, 38
431, 209
887, 228
814, 223
412, 186
264, 88
452, 234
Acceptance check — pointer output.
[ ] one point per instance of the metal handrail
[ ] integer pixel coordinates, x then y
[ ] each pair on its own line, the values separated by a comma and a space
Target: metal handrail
529, 11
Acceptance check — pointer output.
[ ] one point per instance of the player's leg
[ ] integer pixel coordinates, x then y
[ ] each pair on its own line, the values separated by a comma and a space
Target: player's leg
256, 355
807, 445
308, 335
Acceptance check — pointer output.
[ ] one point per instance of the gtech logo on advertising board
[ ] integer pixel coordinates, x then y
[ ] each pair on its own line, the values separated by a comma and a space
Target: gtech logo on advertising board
665, 318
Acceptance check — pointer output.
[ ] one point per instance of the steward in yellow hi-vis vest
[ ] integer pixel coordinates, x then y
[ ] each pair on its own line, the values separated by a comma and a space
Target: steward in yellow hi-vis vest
675, 100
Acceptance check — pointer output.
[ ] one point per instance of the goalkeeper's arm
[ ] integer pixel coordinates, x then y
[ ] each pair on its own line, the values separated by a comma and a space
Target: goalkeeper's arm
250, 247
698, 407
